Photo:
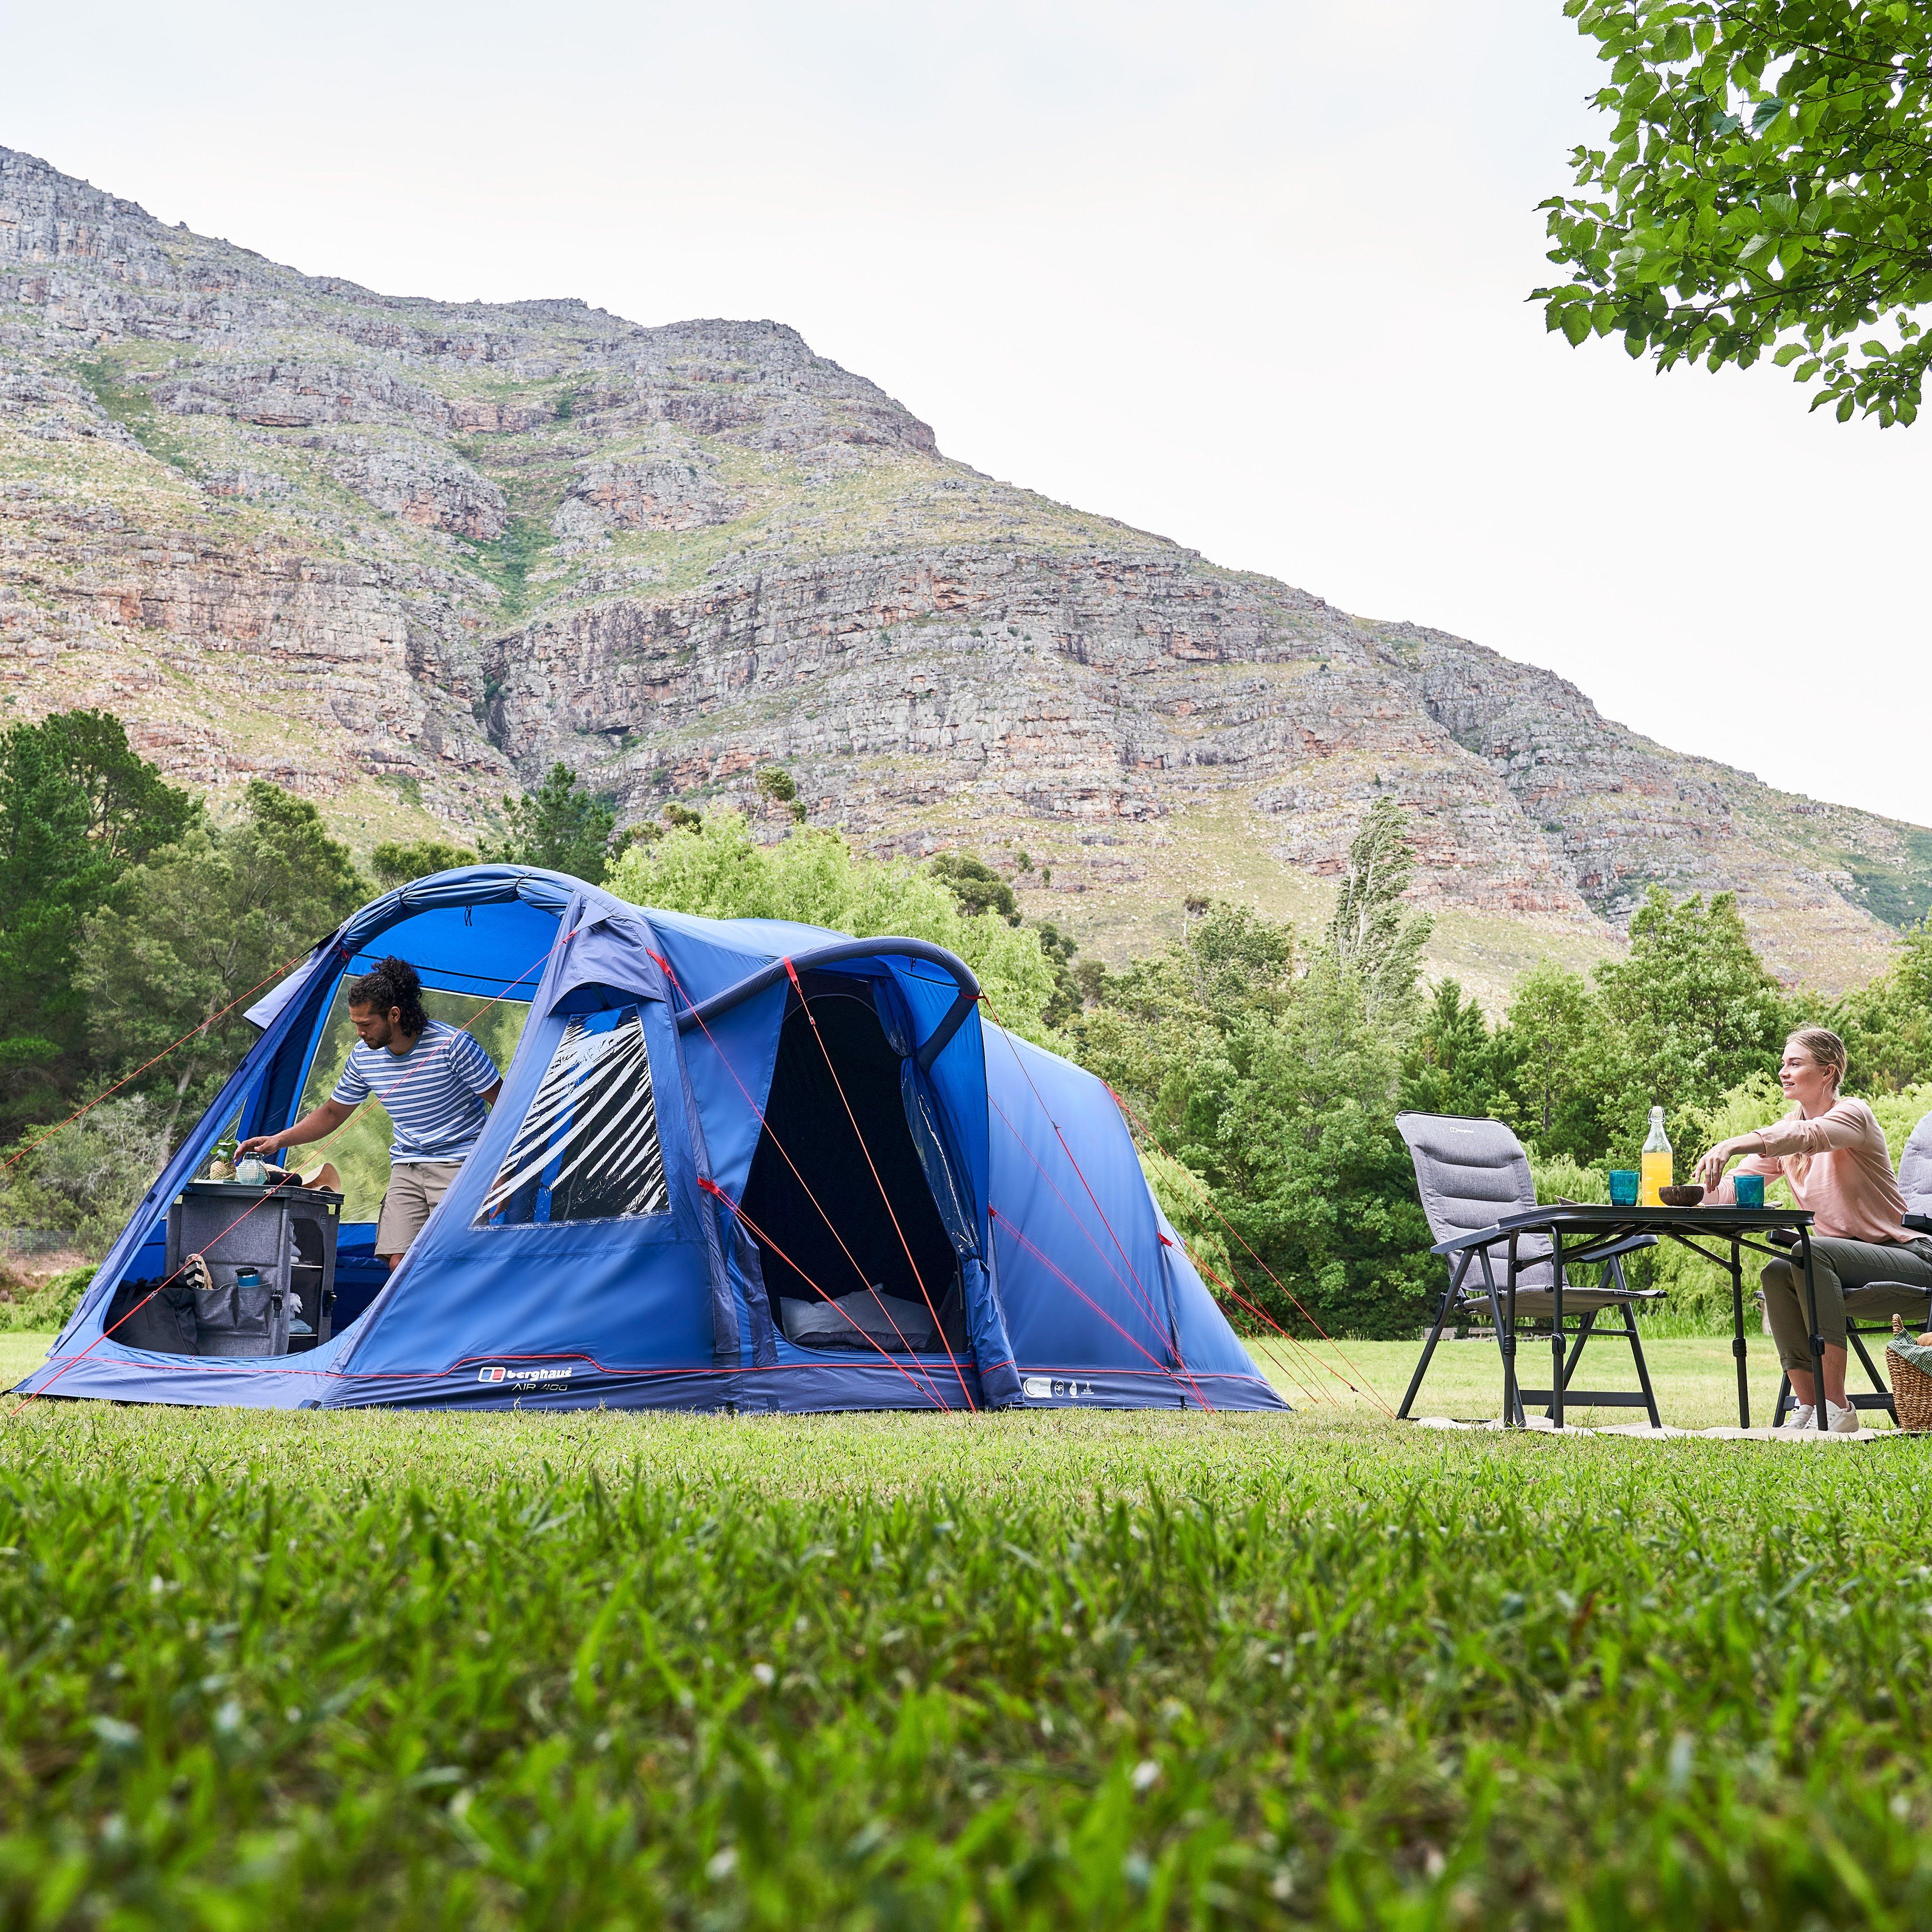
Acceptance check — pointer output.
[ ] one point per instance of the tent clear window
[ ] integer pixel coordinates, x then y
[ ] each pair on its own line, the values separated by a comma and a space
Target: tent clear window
360, 1146
588, 1148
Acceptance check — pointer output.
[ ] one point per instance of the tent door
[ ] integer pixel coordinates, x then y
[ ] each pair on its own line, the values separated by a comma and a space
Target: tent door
853, 1252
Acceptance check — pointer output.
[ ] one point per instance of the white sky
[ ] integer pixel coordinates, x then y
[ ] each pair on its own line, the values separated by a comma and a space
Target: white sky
1253, 277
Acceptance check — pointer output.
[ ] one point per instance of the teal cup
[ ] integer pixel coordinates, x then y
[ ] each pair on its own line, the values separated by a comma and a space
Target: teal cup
1623, 1186
1750, 1189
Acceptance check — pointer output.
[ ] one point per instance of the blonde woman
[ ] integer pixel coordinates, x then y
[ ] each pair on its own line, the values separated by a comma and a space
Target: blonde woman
1830, 1151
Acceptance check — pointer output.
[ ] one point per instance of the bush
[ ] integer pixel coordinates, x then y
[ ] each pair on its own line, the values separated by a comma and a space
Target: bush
51, 1305
396, 865
1562, 1179
1898, 1114
974, 883
89, 1176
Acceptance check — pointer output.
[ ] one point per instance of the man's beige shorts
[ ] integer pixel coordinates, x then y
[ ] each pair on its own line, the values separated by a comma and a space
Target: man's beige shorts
414, 1187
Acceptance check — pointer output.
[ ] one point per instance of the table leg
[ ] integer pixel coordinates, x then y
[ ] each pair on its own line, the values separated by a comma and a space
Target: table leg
1556, 1331
1817, 1340
1738, 1331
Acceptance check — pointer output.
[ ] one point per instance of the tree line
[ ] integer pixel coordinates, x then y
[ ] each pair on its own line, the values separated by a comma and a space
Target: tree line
133, 921
1262, 1068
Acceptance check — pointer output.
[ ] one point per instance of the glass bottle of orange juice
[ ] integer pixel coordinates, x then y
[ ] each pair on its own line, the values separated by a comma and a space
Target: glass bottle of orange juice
1655, 1164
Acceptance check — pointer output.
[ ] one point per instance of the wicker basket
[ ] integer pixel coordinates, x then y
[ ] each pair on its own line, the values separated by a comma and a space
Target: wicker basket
1907, 1364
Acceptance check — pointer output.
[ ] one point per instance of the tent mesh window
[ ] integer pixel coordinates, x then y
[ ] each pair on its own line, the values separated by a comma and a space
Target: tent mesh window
588, 1149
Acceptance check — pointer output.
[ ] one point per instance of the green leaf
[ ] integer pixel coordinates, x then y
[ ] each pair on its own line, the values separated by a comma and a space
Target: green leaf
1766, 183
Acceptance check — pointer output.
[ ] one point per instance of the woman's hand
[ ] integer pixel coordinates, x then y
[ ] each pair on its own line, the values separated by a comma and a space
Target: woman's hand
1710, 1168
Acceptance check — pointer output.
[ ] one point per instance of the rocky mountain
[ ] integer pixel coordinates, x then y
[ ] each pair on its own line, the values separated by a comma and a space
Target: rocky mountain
400, 555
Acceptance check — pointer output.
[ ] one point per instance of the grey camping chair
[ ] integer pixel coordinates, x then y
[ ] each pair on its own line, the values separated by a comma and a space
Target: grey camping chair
1869, 1308
1470, 1174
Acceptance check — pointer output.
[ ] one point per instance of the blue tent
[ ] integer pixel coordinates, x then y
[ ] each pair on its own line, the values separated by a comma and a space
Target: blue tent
735, 1164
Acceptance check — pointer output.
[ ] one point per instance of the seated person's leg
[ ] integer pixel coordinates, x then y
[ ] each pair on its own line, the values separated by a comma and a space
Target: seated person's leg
1784, 1283
1856, 1263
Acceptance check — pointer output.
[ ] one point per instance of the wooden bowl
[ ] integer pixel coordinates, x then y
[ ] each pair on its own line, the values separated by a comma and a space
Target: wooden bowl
1680, 1197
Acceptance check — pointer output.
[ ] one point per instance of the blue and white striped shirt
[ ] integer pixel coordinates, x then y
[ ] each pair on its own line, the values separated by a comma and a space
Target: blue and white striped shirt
432, 1092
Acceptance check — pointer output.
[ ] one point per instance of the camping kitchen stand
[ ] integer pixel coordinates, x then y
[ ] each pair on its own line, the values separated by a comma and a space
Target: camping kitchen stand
287, 1233
1595, 1230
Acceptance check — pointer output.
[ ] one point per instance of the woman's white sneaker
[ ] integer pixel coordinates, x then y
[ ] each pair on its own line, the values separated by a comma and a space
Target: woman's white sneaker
1841, 1421
1798, 1419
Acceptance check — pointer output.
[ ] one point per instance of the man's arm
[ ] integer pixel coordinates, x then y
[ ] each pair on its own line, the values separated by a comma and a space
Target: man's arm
316, 1126
488, 1096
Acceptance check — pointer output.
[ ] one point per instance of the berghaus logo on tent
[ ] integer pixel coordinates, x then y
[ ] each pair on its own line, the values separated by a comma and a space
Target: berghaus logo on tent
1048, 1388
496, 1373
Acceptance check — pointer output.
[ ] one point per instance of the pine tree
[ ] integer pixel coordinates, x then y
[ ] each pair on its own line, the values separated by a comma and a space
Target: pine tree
78, 807
1368, 936
560, 826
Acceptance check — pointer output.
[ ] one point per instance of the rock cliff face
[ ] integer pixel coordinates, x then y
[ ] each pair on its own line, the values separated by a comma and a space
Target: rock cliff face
401, 555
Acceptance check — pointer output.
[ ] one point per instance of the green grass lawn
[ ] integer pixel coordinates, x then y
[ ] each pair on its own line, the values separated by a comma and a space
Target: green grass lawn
1044, 1670
1695, 1377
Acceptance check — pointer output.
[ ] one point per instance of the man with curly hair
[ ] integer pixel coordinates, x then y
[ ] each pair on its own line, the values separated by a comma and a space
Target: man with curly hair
435, 1081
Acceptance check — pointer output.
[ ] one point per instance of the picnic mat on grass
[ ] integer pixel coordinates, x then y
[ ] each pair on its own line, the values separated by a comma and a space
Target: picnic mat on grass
1541, 1425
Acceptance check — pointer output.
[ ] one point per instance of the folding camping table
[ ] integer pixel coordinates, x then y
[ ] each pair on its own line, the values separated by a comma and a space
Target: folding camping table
1589, 1231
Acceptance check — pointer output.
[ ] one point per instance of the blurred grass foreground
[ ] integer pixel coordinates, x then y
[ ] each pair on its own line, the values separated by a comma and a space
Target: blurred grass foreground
1017, 1669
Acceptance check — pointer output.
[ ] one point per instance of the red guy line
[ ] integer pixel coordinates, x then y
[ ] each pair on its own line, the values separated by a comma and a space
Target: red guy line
711, 1186
1207, 1193
75, 1361
864, 1280
1139, 1301
1007, 1221
1235, 1293
1038, 1101
106, 1092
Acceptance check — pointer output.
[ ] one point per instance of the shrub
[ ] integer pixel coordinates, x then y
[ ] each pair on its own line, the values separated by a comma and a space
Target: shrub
719, 871
50, 1306
90, 1175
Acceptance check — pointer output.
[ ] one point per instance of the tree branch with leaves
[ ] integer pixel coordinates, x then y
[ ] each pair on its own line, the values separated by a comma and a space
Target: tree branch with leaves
1766, 190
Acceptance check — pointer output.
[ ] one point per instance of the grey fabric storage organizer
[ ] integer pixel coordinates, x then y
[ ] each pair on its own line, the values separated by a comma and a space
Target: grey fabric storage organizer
287, 1234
